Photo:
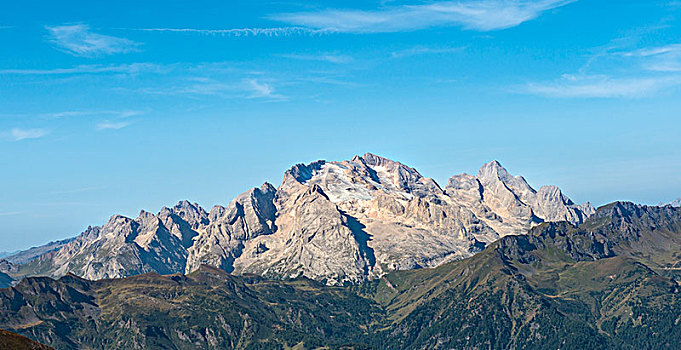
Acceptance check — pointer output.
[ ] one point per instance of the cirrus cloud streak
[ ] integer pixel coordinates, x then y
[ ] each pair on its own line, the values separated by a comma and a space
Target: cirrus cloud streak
79, 40
480, 15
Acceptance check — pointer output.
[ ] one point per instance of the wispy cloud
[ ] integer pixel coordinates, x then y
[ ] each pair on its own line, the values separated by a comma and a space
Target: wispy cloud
479, 15
120, 121
79, 40
18, 134
261, 89
11, 213
242, 32
241, 85
195, 86
423, 50
620, 69
331, 58
112, 125
660, 59
601, 87
86, 113
133, 68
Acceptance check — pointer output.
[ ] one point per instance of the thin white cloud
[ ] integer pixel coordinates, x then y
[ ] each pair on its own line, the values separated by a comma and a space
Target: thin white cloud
117, 114
331, 58
196, 86
79, 40
133, 68
112, 125
11, 213
122, 119
479, 15
601, 87
225, 87
423, 50
660, 59
18, 134
262, 90
242, 32
620, 69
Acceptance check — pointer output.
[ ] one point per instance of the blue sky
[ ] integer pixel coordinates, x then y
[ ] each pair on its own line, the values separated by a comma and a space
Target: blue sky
129, 105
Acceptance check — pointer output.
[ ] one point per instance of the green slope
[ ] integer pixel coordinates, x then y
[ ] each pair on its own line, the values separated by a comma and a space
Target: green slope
608, 284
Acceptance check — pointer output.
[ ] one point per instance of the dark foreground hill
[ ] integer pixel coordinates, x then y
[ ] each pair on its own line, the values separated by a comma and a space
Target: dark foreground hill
13, 341
610, 283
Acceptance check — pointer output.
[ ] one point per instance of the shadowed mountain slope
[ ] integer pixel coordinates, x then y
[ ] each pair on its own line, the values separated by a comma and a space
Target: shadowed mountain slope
13, 341
605, 284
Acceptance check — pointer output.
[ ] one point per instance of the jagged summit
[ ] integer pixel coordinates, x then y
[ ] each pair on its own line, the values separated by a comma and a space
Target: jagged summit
493, 169
333, 221
675, 203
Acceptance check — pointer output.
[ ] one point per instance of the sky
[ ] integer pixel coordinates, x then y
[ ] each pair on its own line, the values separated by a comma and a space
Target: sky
112, 107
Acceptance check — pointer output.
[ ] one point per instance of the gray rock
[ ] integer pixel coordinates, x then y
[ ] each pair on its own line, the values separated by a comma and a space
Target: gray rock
675, 203
338, 222
28, 255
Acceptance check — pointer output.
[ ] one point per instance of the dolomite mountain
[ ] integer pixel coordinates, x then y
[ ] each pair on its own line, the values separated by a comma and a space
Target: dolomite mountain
675, 203
335, 222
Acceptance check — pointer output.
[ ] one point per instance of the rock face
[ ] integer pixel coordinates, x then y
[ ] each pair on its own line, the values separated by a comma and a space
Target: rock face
25, 256
336, 222
508, 204
675, 203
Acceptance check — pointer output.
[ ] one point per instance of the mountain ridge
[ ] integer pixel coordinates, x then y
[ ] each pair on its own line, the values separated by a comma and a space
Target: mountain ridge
341, 222
587, 286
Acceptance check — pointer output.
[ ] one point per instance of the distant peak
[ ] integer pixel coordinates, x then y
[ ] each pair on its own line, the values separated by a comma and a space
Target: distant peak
492, 169
618, 209
375, 160
372, 160
145, 214
302, 173
267, 187
185, 204
117, 217
675, 203
495, 164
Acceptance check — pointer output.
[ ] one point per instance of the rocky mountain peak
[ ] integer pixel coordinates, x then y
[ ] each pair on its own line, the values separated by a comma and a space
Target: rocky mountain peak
371, 159
401, 174
144, 215
331, 221
463, 181
302, 173
509, 204
116, 218
494, 172
553, 193
621, 209
675, 203
192, 213
267, 187
587, 208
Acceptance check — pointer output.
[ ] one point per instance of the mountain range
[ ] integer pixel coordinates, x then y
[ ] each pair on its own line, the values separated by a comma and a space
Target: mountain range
675, 203
610, 282
334, 222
